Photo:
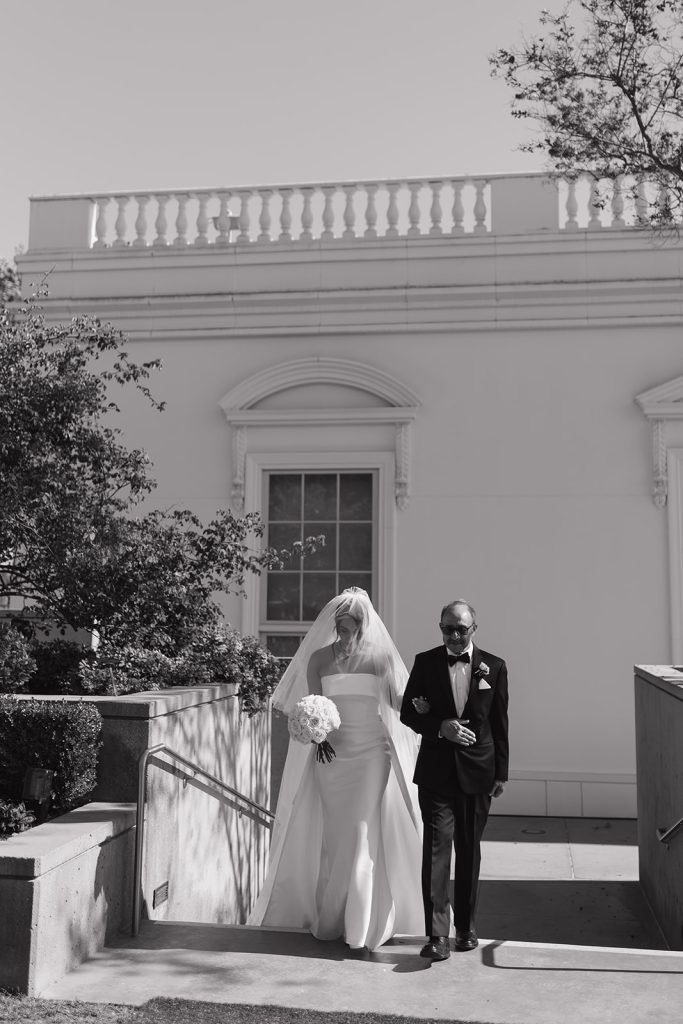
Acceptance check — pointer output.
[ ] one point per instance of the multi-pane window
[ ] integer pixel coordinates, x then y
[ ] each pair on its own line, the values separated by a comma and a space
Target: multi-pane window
340, 506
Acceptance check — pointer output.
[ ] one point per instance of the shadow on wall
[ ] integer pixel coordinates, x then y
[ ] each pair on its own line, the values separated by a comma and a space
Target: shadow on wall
74, 923
212, 857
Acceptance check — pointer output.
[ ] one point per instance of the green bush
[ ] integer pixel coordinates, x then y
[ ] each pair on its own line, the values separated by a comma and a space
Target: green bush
57, 666
16, 664
62, 736
14, 817
216, 654
115, 670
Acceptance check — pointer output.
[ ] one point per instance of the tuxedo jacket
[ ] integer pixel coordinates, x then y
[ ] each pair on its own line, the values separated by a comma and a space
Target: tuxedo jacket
442, 766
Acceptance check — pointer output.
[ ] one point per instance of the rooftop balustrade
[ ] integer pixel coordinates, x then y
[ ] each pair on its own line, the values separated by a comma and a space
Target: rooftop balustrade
333, 213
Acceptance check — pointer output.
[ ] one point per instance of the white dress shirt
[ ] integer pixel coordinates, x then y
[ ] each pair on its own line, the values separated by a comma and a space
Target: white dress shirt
461, 674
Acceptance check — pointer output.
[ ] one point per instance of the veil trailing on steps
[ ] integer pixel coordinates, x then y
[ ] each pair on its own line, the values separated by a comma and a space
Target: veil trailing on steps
298, 817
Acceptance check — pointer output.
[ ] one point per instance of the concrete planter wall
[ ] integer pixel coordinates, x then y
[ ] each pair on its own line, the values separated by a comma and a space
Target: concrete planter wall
212, 860
659, 752
67, 885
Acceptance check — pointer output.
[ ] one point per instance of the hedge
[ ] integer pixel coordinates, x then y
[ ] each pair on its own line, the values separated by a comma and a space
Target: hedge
61, 736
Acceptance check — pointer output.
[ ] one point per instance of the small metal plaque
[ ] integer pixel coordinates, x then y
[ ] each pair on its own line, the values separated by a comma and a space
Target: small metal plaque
160, 894
37, 784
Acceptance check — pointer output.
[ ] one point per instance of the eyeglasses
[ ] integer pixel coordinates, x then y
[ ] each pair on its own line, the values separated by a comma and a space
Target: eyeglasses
456, 630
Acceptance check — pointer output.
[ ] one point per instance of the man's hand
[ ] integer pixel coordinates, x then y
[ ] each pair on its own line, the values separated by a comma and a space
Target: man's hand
455, 730
498, 788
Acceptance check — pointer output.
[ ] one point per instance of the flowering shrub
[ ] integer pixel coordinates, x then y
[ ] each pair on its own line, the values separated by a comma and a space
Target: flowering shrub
216, 654
222, 655
128, 669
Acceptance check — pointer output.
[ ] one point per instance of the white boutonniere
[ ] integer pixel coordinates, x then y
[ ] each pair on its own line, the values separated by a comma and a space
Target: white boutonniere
480, 674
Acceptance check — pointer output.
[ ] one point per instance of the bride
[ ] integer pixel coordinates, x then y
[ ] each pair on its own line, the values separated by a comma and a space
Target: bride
346, 848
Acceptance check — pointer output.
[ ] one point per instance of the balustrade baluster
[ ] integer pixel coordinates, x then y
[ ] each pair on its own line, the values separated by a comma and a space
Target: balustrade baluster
306, 216
244, 217
594, 206
181, 221
140, 241
414, 209
371, 211
618, 203
265, 219
571, 206
120, 225
349, 212
328, 214
202, 238
286, 216
458, 212
161, 224
101, 223
392, 210
479, 208
642, 202
223, 219
435, 211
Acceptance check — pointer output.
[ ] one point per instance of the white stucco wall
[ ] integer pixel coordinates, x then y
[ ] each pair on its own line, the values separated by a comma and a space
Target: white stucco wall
531, 463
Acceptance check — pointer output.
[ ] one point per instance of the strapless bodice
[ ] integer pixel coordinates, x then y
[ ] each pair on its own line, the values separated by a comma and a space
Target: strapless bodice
350, 684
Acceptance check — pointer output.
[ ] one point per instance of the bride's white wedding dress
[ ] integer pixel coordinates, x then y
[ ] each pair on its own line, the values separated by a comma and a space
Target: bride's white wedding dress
346, 850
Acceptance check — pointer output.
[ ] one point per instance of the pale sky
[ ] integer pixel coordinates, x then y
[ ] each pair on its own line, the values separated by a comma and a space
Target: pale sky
107, 95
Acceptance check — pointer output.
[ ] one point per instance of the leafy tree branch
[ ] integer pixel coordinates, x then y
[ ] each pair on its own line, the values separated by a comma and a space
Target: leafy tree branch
602, 83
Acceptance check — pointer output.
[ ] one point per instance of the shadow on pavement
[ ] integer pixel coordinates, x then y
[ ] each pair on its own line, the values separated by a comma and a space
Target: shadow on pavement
583, 913
501, 956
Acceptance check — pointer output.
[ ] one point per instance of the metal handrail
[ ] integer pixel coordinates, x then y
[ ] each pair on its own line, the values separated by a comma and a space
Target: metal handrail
665, 835
190, 770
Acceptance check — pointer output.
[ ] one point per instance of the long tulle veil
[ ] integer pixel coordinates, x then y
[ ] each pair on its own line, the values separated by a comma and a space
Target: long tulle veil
393, 674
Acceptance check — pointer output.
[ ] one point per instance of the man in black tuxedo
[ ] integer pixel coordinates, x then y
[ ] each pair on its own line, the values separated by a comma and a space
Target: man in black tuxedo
457, 699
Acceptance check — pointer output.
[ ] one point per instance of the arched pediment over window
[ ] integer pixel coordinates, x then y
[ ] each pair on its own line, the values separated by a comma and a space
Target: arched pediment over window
320, 392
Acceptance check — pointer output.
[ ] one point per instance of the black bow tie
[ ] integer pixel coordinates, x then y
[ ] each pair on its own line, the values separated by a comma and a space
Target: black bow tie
452, 658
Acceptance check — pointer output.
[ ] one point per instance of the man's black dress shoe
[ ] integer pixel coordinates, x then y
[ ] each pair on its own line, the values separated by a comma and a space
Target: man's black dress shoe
465, 941
437, 948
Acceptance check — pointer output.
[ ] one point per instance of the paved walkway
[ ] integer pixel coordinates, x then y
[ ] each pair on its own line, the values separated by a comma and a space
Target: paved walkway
566, 936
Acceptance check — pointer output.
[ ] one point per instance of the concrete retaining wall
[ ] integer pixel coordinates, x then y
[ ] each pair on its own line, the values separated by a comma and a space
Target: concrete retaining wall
659, 750
67, 885
212, 860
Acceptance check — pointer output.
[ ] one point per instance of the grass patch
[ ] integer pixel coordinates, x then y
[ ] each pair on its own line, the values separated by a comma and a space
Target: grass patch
24, 1010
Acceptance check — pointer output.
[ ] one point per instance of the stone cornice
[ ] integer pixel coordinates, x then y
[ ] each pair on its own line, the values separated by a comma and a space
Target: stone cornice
451, 309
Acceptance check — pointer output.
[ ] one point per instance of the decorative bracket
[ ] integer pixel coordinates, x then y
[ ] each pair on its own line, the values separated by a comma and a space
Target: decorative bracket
661, 484
239, 453
402, 479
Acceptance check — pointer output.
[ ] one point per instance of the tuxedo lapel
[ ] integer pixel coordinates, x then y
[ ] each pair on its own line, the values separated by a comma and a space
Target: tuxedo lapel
476, 660
445, 679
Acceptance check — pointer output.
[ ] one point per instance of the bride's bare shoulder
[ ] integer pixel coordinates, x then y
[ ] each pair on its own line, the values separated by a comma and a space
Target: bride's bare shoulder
323, 656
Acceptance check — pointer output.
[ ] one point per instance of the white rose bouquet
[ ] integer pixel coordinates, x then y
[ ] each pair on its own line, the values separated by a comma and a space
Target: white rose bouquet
311, 719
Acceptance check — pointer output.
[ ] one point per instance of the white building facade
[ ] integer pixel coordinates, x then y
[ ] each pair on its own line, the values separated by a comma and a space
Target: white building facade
473, 388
